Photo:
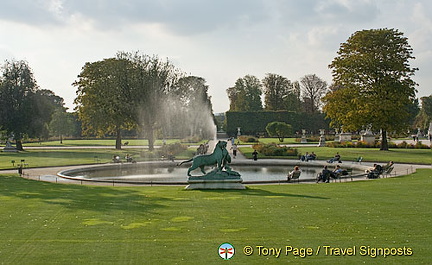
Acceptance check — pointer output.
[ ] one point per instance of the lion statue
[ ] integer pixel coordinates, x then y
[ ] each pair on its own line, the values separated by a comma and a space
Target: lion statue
219, 157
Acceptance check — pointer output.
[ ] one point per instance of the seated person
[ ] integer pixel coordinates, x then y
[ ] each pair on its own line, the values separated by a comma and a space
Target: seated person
128, 158
324, 175
312, 156
116, 159
294, 174
374, 172
388, 165
336, 158
304, 157
338, 170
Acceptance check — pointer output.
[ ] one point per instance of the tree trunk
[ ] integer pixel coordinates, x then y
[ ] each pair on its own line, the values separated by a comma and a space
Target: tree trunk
19, 145
384, 143
61, 138
118, 140
150, 138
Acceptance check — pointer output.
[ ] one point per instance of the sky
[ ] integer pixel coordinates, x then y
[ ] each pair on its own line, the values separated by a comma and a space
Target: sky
219, 41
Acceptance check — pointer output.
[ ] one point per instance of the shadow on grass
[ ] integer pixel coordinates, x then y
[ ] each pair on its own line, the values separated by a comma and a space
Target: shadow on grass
264, 193
93, 198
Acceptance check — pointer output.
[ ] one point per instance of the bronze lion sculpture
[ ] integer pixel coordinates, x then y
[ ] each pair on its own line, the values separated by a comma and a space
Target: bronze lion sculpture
220, 157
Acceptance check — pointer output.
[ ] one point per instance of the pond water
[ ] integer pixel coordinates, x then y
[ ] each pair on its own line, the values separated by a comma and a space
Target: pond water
151, 173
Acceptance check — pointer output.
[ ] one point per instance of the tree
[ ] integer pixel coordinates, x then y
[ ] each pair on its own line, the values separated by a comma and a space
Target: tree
246, 94
104, 97
373, 75
190, 108
280, 93
279, 130
424, 117
46, 103
151, 80
17, 101
61, 123
313, 89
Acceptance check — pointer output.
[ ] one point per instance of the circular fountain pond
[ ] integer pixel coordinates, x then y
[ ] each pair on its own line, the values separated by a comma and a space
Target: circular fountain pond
166, 173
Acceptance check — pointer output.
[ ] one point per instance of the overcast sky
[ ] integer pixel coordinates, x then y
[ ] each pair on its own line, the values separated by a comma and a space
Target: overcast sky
220, 41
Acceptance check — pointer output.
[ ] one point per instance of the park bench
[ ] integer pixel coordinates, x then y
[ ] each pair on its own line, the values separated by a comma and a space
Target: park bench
387, 172
358, 160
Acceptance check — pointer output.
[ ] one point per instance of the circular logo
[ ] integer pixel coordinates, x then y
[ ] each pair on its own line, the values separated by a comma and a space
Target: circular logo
226, 251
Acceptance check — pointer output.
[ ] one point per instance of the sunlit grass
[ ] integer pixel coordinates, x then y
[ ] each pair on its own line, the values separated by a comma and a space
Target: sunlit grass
43, 223
398, 155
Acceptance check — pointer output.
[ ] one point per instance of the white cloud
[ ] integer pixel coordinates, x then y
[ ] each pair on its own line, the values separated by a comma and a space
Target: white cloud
217, 40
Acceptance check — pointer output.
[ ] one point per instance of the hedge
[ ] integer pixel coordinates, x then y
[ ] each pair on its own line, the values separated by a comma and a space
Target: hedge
253, 123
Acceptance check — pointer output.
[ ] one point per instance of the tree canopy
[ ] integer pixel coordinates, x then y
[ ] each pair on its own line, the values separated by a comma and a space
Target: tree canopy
135, 90
373, 80
246, 94
279, 129
25, 110
280, 93
104, 96
313, 89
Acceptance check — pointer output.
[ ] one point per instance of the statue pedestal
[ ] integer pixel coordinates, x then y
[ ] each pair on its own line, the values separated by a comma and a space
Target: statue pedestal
368, 138
216, 180
9, 147
345, 137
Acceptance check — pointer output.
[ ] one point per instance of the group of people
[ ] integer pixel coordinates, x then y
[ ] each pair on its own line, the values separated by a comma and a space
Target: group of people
307, 157
377, 170
128, 158
202, 149
327, 174
234, 149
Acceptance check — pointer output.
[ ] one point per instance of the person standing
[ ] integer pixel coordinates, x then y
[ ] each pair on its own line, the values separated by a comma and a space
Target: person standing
255, 155
234, 149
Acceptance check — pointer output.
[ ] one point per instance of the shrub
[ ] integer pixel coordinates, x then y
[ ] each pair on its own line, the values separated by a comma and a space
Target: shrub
248, 139
275, 150
191, 139
171, 149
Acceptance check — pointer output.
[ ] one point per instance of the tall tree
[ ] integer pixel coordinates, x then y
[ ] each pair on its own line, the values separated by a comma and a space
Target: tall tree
279, 92
292, 100
17, 101
61, 124
46, 102
313, 89
246, 94
191, 100
373, 74
104, 98
151, 81
424, 117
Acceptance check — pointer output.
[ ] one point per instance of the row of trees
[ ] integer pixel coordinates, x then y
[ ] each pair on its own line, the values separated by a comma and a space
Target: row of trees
280, 93
137, 91
372, 88
25, 109
130, 92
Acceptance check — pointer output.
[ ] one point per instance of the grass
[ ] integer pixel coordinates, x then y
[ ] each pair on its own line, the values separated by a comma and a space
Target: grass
398, 155
66, 157
47, 223
95, 142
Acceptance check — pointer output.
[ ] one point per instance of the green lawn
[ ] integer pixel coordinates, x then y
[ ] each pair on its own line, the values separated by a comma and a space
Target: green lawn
97, 142
398, 155
65, 157
47, 223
